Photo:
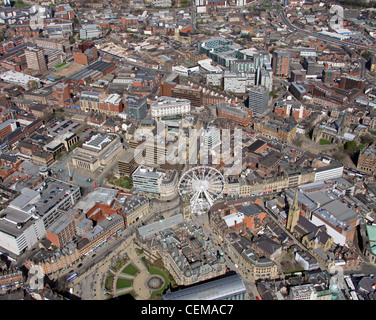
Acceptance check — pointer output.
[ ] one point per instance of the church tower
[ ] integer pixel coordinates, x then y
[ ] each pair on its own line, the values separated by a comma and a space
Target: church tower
294, 213
185, 205
343, 126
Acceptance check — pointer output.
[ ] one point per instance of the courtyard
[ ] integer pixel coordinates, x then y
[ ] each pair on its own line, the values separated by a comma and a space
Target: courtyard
141, 277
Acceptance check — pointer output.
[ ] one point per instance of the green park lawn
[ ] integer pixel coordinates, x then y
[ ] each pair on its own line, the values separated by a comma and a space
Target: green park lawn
130, 269
123, 283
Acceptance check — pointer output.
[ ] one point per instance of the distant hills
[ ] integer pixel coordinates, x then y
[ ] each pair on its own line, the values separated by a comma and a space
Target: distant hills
359, 3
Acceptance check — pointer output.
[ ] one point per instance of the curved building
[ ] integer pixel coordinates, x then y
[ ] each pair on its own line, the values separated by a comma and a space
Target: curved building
228, 288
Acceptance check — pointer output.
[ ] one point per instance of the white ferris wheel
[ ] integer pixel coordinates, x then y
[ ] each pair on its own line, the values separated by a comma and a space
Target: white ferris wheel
203, 185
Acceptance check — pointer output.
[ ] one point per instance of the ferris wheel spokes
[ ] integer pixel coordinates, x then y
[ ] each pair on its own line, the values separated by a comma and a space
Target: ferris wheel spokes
204, 185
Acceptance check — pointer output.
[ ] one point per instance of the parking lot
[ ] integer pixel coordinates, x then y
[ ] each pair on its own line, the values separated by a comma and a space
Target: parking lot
60, 127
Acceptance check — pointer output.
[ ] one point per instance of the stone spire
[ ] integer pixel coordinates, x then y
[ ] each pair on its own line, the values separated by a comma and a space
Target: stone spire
294, 213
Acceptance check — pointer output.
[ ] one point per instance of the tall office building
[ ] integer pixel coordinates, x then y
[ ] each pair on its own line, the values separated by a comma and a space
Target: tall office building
328, 76
137, 108
36, 59
258, 99
349, 82
281, 63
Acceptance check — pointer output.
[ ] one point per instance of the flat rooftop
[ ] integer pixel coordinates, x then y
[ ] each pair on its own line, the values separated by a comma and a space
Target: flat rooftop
12, 217
98, 195
158, 226
98, 142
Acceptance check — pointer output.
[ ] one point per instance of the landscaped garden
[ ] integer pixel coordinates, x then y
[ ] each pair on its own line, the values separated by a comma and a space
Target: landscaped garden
157, 268
123, 283
124, 182
130, 269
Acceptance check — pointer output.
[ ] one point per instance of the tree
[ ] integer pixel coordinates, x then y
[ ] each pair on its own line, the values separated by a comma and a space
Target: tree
367, 139
33, 84
351, 146
71, 39
298, 140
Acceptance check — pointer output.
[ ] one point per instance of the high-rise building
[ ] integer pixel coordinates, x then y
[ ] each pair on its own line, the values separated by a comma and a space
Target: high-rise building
36, 59
264, 77
257, 100
126, 163
281, 63
328, 76
349, 82
136, 107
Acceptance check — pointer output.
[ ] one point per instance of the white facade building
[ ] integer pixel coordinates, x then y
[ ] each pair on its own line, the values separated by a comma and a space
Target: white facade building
238, 83
166, 106
19, 78
233, 219
24, 222
162, 3
303, 292
155, 180
332, 171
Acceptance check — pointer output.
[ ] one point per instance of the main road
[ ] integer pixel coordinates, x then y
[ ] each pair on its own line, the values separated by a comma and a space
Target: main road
345, 44
306, 33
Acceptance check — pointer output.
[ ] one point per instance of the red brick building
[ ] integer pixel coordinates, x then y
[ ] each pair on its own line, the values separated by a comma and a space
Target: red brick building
64, 11
367, 160
130, 20
281, 63
194, 94
61, 93
86, 53
12, 65
350, 82
111, 104
240, 116
11, 279
62, 231
7, 127
298, 112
